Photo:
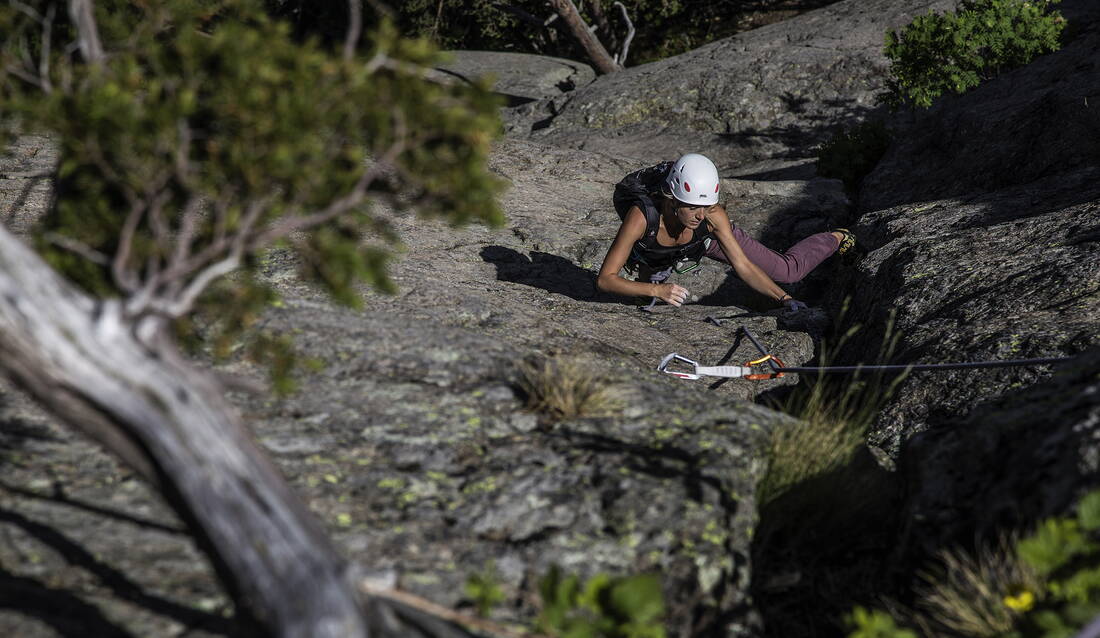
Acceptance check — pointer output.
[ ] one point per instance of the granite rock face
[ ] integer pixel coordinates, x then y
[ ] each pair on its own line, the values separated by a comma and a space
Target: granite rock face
984, 239
773, 92
413, 442
1012, 461
983, 222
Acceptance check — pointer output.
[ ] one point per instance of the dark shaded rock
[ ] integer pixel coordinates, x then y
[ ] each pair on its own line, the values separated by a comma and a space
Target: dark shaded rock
520, 77
1009, 275
773, 92
1034, 122
1007, 269
1014, 460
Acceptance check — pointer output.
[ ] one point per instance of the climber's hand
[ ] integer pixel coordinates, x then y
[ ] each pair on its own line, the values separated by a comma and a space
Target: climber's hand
671, 294
794, 305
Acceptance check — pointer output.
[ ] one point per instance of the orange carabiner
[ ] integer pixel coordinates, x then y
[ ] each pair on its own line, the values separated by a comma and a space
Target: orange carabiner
764, 375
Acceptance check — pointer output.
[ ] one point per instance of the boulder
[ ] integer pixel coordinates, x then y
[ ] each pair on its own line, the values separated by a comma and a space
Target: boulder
1011, 462
773, 92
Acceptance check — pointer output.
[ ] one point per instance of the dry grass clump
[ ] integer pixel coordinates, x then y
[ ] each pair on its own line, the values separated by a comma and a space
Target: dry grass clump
965, 593
834, 414
565, 386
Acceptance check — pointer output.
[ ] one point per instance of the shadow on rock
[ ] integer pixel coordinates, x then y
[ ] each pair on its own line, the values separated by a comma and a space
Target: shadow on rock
548, 272
122, 587
66, 614
821, 548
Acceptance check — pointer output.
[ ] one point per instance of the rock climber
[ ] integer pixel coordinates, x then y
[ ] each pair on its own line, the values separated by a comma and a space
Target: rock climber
671, 218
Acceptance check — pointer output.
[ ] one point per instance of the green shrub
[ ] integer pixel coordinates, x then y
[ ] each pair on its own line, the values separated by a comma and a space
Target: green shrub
872, 623
957, 50
853, 153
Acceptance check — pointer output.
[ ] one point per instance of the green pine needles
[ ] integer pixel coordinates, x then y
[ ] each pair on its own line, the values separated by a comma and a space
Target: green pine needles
204, 134
957, 50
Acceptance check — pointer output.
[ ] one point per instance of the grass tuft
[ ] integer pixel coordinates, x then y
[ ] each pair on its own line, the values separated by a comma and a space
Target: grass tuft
965, 593
833, 415
564, 387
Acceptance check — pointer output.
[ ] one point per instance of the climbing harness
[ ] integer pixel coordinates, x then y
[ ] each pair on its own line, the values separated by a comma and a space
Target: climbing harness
779, 369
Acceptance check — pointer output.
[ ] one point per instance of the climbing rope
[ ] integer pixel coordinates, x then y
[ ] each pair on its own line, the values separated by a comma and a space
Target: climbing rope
778, 369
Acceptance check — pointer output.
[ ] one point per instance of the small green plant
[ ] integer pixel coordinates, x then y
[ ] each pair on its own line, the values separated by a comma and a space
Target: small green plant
853, 153
603, 607
955, 51
566, 386
1066, 554
484, 591
873, 623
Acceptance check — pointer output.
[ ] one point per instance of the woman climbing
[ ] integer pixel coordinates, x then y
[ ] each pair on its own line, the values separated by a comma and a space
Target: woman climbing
671, 215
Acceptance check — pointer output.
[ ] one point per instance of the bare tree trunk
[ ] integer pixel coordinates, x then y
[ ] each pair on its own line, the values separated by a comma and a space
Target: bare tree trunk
127, 386
603, 27
596, 51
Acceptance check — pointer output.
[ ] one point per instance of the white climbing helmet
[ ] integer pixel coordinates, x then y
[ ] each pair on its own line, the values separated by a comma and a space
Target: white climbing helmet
693, 180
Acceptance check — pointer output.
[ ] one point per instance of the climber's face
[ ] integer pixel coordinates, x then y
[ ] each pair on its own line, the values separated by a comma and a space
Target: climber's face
691, 215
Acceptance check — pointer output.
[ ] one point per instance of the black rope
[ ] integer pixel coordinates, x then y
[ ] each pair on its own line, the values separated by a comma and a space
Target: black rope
917, 367
913, 367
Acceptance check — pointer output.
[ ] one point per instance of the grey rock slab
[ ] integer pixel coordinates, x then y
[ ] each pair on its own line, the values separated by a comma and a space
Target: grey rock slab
982, 224
412, 441
773, 92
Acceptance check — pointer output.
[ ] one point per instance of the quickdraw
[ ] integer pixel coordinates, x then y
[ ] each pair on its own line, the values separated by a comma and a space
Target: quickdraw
730, 372
779, 369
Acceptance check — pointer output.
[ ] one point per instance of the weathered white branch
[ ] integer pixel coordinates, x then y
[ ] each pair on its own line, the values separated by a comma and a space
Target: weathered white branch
82, 13
44, 55
126, 386
592, 46
355, 28
124, 277
77, 248
620, 58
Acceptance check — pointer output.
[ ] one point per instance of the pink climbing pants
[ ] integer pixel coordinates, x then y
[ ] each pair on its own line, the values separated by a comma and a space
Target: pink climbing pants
787, 267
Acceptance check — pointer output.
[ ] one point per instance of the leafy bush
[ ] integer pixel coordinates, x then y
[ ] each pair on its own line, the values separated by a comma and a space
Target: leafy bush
957, 50
853, 153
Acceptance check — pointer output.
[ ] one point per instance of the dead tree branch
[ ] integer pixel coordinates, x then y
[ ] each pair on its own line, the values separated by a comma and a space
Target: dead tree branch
355, 28
596, 52
620, 58
127, 387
